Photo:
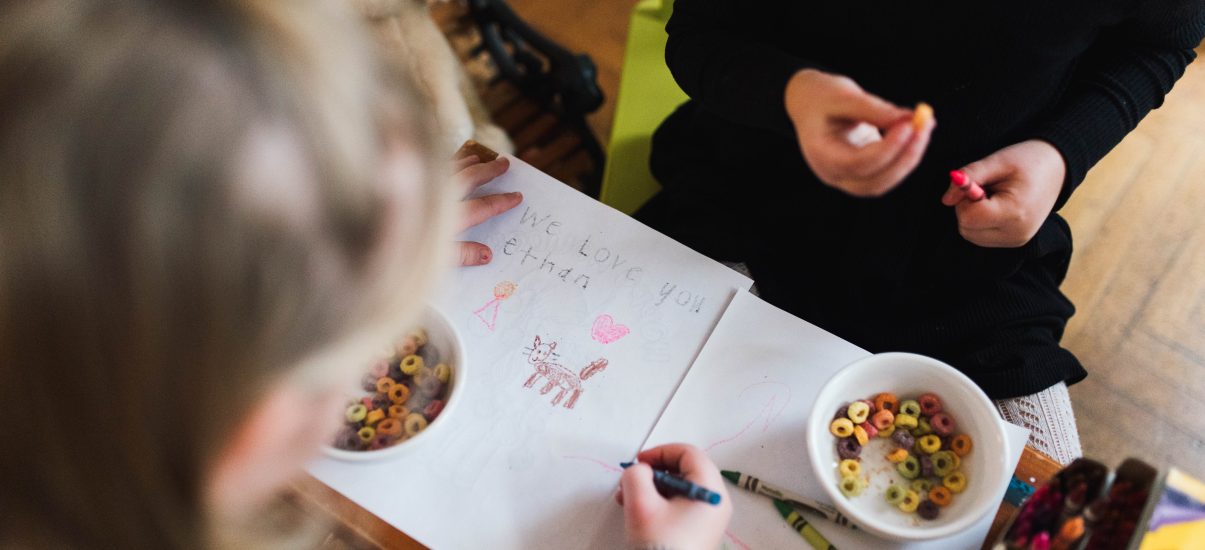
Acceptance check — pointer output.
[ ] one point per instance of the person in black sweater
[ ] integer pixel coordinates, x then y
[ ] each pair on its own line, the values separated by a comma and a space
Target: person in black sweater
871, 241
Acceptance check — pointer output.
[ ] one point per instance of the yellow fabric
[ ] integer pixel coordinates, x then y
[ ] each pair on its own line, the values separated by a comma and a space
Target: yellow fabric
1179, 536
647, 94
1188, 535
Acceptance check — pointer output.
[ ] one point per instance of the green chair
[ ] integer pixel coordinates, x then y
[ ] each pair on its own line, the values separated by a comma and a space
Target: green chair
647, 94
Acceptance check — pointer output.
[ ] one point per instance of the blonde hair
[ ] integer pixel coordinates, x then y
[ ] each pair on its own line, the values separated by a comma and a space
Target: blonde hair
196, 197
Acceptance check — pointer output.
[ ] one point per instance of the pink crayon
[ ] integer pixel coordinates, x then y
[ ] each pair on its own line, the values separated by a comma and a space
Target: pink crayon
972, 188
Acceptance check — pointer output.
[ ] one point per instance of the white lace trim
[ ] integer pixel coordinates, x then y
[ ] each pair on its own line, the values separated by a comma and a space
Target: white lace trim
1050, 420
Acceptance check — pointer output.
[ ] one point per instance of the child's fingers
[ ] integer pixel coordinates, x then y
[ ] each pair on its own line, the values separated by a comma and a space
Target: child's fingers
476, 175
474, 254
952, 196
835, 157
461, 164
878, 156
955, 194
990, 213
640, 496
990, 169
859, 105
687, 460
484, 208
908, 159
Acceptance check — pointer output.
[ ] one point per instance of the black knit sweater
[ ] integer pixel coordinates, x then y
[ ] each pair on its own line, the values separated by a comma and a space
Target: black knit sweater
1079, 74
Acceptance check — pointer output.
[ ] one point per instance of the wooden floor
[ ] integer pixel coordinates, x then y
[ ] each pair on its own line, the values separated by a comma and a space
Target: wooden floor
1137, 277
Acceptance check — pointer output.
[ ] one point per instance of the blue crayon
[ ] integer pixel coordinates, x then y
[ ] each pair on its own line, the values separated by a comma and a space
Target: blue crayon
672, 485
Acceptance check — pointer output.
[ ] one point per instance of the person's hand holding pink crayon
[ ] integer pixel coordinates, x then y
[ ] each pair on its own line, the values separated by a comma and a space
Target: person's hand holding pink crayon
654, 521
826, 108
1002, 199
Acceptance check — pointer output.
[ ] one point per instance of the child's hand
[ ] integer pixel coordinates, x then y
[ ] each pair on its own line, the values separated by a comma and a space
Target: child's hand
1022, 182
471, 173
656, 522
825, 108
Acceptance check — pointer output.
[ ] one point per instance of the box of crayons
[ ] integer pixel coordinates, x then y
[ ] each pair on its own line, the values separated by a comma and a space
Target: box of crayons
1087, 506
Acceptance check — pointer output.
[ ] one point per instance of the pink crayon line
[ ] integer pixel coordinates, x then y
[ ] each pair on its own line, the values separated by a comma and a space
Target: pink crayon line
768, 411
734, 436
777, 412
606, 466
492, 322
736, 540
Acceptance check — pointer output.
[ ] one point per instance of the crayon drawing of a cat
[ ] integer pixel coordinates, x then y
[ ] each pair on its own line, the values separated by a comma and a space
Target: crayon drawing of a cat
557, 376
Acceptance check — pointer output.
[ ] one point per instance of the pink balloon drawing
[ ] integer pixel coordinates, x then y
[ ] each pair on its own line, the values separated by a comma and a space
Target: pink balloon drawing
606, 330
488, 313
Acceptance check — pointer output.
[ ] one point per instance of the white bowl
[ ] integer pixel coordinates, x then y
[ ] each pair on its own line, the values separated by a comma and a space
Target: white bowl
441, 334
908, 376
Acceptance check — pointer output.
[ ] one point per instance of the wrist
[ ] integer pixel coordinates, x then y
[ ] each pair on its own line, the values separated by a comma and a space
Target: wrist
1052, 155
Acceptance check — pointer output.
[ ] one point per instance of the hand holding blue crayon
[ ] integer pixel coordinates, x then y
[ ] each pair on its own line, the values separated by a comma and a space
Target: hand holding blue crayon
688, 508
671, 485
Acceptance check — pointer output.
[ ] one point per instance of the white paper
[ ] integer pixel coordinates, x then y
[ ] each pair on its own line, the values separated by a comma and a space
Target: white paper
518, 468
746, 401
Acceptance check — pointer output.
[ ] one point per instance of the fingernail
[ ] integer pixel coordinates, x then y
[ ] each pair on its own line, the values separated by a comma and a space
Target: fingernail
516, 195
485, 256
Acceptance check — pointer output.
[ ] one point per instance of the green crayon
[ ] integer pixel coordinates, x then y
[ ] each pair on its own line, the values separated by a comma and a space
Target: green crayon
755, 485
805, 529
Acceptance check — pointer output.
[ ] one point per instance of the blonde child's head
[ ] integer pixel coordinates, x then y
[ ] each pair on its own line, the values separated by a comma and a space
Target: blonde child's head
211, 214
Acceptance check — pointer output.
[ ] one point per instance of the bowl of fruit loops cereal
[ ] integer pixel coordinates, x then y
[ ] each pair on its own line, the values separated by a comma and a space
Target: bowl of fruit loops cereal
405, 395
907, 447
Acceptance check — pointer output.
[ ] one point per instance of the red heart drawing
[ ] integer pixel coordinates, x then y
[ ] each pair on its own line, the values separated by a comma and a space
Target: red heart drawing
606, 331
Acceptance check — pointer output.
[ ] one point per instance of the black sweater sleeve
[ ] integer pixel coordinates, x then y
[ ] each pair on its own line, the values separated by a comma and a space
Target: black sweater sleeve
717, 55
1122, 77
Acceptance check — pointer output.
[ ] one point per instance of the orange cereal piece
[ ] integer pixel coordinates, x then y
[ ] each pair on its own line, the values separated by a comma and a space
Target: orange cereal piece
961, 444
887, 401
921, 116
399, 393
861, 435
398, 411
391, 427
941, 496
384, 384
374, 416
897, 456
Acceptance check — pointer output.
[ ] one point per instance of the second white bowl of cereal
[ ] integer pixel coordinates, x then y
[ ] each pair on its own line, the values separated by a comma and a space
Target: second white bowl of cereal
406, 395
929, 467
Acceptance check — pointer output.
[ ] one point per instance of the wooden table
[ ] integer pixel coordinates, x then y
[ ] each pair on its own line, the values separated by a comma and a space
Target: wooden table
356, 528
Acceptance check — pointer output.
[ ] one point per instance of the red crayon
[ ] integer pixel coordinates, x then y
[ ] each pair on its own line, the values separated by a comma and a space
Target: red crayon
972, 188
